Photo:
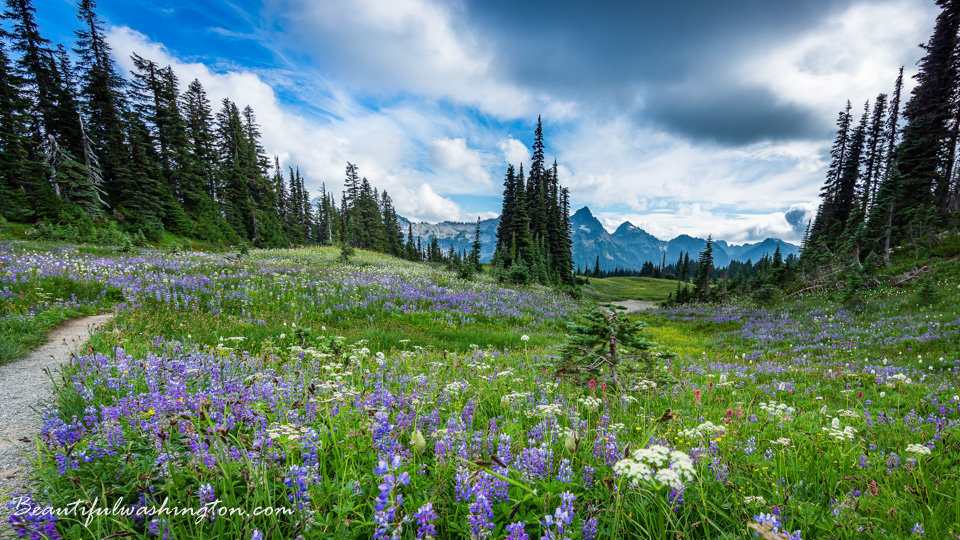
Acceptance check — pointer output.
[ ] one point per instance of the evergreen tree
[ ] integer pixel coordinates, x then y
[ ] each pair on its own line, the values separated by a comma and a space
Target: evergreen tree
201, 190
922, 155
22, 176
704, 269
102, 100
506, 228
36, 66
154, 96
826, 214
874, 152
474, 258
893, 121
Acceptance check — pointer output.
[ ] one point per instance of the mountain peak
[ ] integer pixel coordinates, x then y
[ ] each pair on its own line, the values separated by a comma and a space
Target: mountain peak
627, 226
583, 213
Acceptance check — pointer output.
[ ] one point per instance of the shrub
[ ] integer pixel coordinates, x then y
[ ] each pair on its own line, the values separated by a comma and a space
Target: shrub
928, 292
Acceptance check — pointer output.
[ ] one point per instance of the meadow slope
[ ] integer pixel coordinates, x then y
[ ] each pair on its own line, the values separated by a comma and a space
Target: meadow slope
386, 399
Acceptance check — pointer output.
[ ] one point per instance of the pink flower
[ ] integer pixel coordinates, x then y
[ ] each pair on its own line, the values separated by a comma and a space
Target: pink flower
593, 383
696, 397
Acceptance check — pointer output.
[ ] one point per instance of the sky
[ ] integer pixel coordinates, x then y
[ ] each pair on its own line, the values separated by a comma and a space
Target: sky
695, 117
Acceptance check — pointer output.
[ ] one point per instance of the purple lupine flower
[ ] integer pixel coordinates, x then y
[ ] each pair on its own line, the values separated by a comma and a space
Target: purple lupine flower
481, 513
515, 531
424, 516
589, 529
676, 499
588, 473
158, 527
297, 479
565, 472
558, 523
917, 529
388, 502
207, 497
30, 520
750, 446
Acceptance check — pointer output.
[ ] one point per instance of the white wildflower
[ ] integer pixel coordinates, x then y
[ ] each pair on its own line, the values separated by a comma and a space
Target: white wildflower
918, 449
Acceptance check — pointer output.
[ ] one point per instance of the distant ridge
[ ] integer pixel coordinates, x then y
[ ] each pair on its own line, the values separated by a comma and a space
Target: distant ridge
626, 248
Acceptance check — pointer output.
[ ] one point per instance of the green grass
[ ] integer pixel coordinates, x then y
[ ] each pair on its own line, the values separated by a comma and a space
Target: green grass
181, 380
40, 305
615, 289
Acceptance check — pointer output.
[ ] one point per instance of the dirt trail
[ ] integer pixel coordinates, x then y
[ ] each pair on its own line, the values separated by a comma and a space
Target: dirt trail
24, 385
635, 305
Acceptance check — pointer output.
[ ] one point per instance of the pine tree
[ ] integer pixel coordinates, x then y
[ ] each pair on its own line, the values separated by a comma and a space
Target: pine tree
922, 154
200, 181
892, 122
154, 96
235, 197
474, 258
35, 64
874, 153
101, 96
65, 112
503, 255
826, 215
704, 271
21, 178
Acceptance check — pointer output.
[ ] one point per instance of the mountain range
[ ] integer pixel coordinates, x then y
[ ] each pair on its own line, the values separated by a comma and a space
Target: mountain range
626, 248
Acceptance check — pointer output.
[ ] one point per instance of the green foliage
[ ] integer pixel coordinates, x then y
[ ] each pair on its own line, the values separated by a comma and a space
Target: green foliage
534, 222
604, 337
928, 293
466, 270
519, 273
765, 294
853, 287
83, 230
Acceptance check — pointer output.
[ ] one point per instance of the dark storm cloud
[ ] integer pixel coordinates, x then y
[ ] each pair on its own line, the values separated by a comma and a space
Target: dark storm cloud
730, 115
799, 215
618, 55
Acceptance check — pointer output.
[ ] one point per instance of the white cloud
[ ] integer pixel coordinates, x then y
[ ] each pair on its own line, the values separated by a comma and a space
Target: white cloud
698, 222
615, 163
382, 144
425, 205
852, 55
453, 156
514, 151
420, 46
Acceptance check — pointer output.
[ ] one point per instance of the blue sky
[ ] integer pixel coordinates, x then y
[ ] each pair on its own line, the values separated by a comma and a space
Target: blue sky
698, 117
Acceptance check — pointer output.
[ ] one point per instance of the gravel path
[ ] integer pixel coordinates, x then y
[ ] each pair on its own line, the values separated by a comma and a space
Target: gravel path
24, 384
636, 305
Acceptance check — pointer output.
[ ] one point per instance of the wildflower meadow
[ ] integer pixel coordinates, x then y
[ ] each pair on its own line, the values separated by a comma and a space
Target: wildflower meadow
284, 394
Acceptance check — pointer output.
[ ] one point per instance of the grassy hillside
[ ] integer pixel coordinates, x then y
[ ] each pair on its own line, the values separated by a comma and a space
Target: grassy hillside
629, 288
286, 379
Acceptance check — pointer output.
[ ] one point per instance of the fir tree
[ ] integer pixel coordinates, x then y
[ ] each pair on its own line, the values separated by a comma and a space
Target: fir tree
704, 269
922, 154
474, 258
102, 100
